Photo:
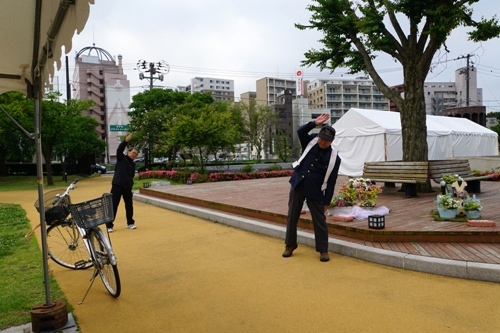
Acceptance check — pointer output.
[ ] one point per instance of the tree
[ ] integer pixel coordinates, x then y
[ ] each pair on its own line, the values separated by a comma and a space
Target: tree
154, 108
355, 32
15, 146
65, 131
205, 129
258, 120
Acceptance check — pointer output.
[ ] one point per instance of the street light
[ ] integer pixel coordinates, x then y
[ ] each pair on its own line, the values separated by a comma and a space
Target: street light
161, 68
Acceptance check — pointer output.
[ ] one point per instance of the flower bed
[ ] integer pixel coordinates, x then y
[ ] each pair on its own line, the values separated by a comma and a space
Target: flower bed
196, 177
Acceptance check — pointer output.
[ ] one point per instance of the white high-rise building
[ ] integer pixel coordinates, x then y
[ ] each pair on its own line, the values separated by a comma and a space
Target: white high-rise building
339, 95
220, 89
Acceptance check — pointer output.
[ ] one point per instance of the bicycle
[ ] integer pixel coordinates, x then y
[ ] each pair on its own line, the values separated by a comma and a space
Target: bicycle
66, 233
64, 242
88, 215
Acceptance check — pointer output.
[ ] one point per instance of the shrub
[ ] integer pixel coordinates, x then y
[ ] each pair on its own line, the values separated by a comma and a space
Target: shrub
275, 167
247, 168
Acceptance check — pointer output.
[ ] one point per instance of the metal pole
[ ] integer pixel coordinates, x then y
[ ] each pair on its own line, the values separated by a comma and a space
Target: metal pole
68, 90
151, 74
39, 171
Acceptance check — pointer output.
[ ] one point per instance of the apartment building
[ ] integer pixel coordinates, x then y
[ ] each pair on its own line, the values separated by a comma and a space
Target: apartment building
268, 89
222, 90
339, 95
98, 77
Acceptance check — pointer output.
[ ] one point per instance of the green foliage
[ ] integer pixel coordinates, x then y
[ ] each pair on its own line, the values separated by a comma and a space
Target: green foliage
205, 130
21, 277
496, 129
445, 201
247, 168
154, 111
258, 119
275, 167
283, 147
14, 144
470, 204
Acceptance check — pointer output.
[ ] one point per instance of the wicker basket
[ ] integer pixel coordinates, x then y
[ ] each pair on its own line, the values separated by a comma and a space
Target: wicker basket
94, 212
55, 208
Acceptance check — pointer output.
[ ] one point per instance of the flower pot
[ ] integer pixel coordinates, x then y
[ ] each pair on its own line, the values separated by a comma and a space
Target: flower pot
473, 214
447, 213
340, 211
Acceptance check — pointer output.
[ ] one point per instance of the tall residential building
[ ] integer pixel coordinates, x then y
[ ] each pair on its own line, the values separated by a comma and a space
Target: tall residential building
98, 77
268, 89
222, 90
339, 95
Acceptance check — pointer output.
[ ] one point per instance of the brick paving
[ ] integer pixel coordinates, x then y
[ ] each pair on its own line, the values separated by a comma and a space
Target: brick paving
410, 227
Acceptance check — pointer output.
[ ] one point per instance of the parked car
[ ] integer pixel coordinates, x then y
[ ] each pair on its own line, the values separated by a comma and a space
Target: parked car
139, 160
97, 168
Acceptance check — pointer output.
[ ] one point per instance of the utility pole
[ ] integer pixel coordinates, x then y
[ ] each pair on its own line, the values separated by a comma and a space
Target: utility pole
161, 68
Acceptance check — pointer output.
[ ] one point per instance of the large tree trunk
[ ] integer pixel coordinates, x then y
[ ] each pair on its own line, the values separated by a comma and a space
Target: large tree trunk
413, 117
413, 121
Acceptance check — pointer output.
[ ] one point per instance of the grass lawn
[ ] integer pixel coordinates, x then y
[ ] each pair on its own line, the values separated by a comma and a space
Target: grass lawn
21, 269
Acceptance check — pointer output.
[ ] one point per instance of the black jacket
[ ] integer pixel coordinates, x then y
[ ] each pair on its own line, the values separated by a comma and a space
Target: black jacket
312, 169
124, 169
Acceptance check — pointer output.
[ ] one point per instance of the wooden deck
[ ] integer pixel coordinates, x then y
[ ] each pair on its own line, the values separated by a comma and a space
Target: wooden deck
409, 226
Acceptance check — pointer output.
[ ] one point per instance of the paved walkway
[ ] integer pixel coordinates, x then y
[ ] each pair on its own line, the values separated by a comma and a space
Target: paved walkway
181, 274
233, 202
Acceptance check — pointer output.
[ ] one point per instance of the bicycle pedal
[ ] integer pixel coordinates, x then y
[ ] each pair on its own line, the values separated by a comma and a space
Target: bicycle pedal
80, 264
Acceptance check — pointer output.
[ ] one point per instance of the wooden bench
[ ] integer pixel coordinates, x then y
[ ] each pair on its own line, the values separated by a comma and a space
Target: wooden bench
390, 172
438, 168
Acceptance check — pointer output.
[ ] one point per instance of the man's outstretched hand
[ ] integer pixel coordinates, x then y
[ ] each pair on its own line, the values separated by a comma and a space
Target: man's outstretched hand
321, 119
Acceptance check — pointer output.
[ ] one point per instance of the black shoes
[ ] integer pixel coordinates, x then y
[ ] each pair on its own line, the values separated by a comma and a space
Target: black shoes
289, 251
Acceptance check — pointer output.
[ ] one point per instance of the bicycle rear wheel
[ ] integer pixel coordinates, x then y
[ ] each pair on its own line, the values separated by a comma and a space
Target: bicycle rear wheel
66, 247
104, 261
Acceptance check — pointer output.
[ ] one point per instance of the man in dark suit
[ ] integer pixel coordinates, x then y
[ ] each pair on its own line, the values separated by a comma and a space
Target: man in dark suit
313, 180
122, 183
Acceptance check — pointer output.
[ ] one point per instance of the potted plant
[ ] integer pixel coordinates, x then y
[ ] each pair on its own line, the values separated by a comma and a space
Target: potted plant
472, 208
447, 206
448, 180
361, 192
340, 205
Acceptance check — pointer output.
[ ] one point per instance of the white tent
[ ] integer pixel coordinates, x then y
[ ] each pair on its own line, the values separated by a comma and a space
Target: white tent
374, 135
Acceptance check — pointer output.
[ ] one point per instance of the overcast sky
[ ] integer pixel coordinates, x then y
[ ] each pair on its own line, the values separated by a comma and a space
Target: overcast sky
245, 41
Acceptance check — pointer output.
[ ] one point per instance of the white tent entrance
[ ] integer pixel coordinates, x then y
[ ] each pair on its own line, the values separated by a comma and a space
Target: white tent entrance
374, 135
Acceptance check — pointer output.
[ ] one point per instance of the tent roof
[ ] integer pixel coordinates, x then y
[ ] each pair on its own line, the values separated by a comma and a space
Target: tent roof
28, 47
364, 122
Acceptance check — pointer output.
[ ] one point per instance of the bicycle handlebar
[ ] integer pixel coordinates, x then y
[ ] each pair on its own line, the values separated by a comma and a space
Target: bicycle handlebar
66, 193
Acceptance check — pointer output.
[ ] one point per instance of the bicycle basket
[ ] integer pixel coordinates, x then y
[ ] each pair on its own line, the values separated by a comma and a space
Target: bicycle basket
55, 208
94, 212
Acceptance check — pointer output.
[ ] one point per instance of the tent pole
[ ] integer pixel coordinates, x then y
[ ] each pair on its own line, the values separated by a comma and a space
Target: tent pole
39, 172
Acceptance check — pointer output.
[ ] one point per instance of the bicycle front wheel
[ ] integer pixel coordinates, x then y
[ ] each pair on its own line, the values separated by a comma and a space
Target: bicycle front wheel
66, 247
104, 261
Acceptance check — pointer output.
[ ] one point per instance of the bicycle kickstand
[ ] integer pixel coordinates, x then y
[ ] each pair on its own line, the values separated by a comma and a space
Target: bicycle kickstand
92, 279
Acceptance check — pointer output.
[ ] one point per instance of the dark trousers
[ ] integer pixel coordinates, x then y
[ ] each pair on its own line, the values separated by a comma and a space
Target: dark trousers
295, 202
118, 192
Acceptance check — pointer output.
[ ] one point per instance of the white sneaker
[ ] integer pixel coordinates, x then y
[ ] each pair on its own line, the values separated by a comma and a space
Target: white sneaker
131, 226
110, 229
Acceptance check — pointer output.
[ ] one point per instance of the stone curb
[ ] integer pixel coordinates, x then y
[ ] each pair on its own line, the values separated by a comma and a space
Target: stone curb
445, 267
